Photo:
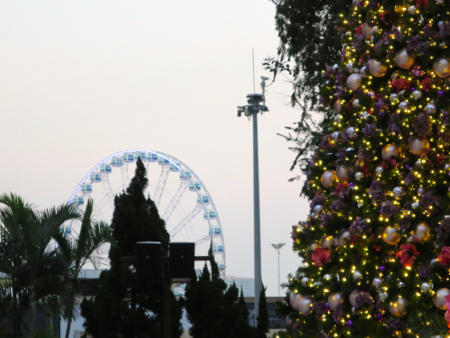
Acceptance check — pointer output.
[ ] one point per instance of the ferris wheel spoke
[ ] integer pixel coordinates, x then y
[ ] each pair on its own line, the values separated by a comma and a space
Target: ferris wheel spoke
176, 198
186, 220
161, 184
205, 239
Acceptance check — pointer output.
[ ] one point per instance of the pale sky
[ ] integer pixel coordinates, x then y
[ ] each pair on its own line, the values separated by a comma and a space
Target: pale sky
81, 80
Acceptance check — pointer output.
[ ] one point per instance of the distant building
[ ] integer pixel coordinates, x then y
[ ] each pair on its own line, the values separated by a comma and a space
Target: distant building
247, 284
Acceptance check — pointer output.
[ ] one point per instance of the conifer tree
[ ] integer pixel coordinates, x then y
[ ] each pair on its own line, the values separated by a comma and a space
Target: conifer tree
263, 315
124, 305
376, 246
213, 310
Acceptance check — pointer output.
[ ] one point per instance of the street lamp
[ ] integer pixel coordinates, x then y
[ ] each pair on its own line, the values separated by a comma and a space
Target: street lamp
278, 247
252, 109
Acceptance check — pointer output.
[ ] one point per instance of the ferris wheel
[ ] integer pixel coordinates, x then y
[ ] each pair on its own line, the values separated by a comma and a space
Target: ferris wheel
182, 199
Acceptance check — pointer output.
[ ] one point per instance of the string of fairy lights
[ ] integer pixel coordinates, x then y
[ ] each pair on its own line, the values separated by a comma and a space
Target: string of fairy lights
376, 247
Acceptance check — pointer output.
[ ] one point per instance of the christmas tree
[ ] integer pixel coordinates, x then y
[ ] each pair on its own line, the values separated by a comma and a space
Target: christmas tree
376, 246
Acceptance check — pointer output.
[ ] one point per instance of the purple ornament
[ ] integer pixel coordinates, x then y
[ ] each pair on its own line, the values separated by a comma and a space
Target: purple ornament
349, 323
440, 93
381, 269
407, 166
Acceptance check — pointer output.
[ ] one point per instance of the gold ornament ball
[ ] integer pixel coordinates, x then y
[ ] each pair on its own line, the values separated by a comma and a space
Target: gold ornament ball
328, 178
391, 235
342, 172
377, 68
326, 242
398, 307
335, 299
305, 305
354, 81
352, 297
404, 60
421, 233
439, 299
441, 67
367, 30
343, 238
389, 151
419, 145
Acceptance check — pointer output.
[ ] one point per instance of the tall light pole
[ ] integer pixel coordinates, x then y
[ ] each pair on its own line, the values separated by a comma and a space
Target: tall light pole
278, 247
251, 110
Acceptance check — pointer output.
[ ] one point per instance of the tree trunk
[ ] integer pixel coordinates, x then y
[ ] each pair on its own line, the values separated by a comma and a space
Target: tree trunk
32, 315
69, 311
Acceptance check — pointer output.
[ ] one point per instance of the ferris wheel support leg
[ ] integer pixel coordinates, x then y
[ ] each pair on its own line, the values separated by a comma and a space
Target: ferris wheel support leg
108, 189
161, 184
125, 178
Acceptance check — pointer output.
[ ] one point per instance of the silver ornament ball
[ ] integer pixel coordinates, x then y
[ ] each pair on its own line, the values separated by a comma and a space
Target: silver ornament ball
383, 296
398, 192
379, 171
338, 118
417, 94
439, 298
305, 305
354, 81
430, 108
317, 209
377, 282
425, 287
343, 238
357, 276
335, 300
353, 296
359, 175
356, 103
351, 132
403, 105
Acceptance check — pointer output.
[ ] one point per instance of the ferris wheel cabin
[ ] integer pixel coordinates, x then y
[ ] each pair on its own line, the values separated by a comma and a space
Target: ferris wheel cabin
185, 176
86, 188
209, 215
96, 177
195, 186
106, 169
116, 162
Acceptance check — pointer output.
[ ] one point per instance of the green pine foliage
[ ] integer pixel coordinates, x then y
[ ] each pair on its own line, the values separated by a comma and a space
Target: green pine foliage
263, 315
308, 43
213, 310
124, 305
376, 245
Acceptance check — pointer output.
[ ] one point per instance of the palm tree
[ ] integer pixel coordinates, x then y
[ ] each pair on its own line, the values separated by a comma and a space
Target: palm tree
78, 252
29, 233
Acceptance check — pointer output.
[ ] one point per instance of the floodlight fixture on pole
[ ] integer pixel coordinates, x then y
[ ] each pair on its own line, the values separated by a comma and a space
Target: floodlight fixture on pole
256, 104
278, 247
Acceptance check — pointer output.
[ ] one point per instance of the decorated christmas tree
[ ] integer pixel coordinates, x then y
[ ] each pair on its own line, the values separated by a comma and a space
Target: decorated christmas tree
376, 246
